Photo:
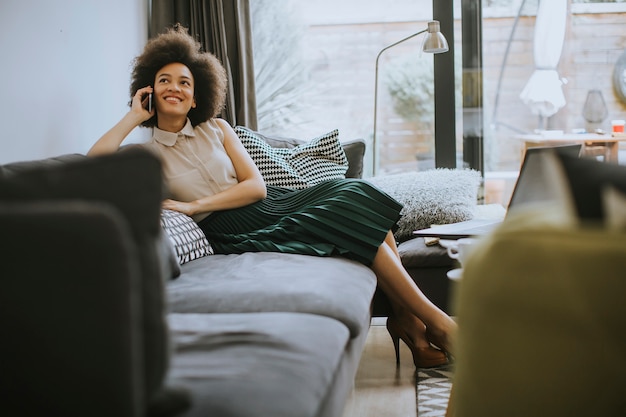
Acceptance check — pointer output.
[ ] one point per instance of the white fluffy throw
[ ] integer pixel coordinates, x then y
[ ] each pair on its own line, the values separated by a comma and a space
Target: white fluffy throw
437, 196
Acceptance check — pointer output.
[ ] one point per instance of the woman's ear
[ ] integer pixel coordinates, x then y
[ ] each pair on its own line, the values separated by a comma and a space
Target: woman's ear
193, 104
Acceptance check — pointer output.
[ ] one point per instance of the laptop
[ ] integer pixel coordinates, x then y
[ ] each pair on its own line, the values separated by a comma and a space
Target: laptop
532, 186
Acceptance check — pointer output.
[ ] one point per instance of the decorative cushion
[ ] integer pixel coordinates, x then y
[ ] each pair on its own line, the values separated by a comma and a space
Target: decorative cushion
188, 239
301, 166
354, 150
437, 196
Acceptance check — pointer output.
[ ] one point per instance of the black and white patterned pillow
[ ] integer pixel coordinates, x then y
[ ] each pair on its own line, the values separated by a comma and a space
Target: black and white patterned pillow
188, 239
321, 159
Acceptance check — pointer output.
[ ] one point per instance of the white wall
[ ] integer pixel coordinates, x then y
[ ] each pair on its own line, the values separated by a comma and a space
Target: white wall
65, 73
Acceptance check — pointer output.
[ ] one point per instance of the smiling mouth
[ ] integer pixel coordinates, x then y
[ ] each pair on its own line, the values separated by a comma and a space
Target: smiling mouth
173, 100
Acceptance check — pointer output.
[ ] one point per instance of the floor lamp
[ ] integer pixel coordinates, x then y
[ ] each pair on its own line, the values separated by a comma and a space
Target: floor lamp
434, 43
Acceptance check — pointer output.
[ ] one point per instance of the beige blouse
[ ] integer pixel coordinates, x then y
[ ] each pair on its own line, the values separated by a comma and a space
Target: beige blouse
195, 163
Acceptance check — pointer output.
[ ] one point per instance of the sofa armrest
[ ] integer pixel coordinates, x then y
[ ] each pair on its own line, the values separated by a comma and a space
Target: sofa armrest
130, 181
70, 311
355, 151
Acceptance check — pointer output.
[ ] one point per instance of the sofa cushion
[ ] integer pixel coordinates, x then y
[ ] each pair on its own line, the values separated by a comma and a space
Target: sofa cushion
297, 167
186, 236
130, 181
437, 196
264, 364
268, 281
416, 254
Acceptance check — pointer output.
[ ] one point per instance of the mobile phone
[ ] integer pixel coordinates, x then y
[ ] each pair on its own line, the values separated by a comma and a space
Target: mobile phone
150, 102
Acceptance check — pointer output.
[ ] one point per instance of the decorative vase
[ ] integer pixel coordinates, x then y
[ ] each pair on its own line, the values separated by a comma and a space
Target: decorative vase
594, 110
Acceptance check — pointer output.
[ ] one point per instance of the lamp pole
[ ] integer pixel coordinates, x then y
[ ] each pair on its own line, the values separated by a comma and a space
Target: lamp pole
374, 143
434, 43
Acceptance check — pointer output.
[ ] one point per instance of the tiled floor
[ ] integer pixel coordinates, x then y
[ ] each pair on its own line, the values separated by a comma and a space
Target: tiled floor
381, 390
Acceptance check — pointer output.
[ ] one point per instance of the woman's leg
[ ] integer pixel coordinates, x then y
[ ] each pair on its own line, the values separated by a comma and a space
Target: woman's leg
391, 241
409, 322
411, 307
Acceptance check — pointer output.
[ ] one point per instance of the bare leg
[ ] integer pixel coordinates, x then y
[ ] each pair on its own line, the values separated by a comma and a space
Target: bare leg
410, 305
409, 322
391, 241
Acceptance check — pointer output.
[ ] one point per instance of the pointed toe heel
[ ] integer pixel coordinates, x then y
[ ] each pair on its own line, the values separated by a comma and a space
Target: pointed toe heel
423, 357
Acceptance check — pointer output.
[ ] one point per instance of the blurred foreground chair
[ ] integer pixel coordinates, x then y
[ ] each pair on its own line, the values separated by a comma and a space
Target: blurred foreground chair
542, 322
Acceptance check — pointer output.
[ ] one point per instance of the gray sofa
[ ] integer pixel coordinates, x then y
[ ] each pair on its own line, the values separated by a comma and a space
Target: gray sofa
93, 324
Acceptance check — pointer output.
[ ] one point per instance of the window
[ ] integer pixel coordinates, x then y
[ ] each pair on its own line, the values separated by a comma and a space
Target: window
316, 72
586, 63
315, 65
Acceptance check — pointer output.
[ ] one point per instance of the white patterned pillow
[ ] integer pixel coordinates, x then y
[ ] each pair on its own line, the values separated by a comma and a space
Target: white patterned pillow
321, 159
188, 239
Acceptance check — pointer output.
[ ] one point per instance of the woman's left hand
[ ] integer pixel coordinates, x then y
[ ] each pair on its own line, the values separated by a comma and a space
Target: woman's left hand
185, 208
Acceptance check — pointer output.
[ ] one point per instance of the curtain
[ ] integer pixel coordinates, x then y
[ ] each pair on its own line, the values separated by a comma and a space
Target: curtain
223, 28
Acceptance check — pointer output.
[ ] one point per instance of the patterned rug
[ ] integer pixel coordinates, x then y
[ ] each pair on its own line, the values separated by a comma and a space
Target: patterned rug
433, 391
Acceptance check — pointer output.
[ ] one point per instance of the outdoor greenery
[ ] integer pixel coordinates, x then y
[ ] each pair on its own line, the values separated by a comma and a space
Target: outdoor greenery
280, 73
409, 81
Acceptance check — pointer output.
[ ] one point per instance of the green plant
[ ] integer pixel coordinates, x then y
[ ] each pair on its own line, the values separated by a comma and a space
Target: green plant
281, 76
409, 81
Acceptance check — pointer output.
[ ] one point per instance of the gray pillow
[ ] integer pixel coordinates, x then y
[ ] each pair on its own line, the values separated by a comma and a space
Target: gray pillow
438, 196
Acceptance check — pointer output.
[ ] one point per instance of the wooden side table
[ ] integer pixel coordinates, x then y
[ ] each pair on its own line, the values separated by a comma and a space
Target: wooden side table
594, 144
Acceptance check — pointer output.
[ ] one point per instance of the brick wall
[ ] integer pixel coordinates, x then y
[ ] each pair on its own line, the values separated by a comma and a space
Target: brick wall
343, 60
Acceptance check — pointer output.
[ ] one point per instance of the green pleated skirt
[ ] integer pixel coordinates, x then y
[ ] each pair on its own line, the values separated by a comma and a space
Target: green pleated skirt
346, 217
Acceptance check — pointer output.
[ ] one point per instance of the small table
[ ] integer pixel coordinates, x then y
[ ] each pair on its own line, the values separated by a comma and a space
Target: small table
593, 144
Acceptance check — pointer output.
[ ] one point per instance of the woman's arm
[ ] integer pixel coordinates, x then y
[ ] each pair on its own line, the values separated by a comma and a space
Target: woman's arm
111, 140
249, 189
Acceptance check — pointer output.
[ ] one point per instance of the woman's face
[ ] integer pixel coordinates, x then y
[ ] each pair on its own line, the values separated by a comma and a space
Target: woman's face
174, 90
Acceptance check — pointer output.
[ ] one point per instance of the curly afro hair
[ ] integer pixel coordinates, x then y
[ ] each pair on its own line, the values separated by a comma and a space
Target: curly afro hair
176, 45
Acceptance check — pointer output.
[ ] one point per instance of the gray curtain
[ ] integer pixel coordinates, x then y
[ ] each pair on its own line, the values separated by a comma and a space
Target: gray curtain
223, 27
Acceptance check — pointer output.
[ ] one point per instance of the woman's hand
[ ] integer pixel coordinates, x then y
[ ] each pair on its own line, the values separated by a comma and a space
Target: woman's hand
140, 104
186, 208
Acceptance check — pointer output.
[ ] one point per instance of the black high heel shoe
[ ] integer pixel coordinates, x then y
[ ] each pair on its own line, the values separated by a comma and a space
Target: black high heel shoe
423, 357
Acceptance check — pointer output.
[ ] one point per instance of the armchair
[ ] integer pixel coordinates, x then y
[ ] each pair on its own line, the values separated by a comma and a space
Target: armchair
541, 322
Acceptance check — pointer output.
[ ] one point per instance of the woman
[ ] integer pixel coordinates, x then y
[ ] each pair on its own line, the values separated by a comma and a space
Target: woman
179, 90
